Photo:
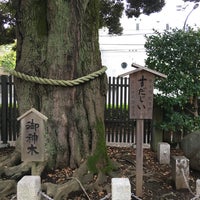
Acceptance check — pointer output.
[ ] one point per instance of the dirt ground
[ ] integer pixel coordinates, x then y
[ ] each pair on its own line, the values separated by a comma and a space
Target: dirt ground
158, 184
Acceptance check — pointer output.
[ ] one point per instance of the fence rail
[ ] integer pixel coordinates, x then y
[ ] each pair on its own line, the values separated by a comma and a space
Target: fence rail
120, 129
9, 127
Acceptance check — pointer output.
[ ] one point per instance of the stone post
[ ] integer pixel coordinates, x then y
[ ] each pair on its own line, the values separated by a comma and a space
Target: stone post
180, 171
121, 189
163, 153
28, 188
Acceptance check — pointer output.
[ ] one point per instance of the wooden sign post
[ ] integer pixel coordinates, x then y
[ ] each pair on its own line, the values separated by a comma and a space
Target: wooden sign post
140, 108
32, 135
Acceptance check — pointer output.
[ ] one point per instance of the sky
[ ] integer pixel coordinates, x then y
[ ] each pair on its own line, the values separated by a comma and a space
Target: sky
129, 47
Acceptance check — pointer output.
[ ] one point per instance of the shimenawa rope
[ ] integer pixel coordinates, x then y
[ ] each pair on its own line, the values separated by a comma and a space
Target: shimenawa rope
47, 81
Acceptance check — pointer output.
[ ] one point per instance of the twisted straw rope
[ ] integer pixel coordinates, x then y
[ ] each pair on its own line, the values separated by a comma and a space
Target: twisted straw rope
70, 83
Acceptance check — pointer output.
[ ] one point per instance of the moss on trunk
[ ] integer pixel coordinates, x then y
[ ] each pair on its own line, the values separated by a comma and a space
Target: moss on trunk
99, 161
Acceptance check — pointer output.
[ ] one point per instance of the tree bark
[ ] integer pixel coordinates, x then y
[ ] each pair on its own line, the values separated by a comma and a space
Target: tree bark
59, 40
196, 107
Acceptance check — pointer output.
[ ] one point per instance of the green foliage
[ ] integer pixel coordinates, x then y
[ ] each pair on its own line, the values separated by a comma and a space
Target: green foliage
110, 13
112, 10
7, 22
122, 107
8, 59
137, 7
179, 122
176, 53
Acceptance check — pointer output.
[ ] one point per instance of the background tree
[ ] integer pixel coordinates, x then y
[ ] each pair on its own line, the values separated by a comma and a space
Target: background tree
59, 40
176, 53
7, 23
137, 7
8, 57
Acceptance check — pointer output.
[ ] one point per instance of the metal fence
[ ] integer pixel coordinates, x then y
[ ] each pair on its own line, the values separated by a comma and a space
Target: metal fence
120, 129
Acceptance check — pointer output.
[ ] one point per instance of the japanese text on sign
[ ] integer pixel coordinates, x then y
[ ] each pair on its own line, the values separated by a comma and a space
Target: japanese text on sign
141, 95
32, 125
32, 136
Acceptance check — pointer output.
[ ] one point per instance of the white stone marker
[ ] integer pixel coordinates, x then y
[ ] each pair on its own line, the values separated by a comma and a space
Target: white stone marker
28, 188
121, 189
163, 153
198, 187
180, 164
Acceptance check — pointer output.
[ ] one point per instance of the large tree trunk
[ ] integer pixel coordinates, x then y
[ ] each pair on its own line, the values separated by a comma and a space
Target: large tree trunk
59, 40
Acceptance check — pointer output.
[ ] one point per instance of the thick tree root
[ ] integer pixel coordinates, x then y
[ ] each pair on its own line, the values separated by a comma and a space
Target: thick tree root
7, 162
10, 160
17, 172
12, 169
81, 181
59, 192
7, 187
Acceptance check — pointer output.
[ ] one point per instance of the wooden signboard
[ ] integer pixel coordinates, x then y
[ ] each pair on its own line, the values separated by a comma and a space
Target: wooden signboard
141, 107
32, 135
141, 95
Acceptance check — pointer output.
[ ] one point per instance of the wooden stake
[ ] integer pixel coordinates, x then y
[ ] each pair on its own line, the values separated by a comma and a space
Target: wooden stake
139, 156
